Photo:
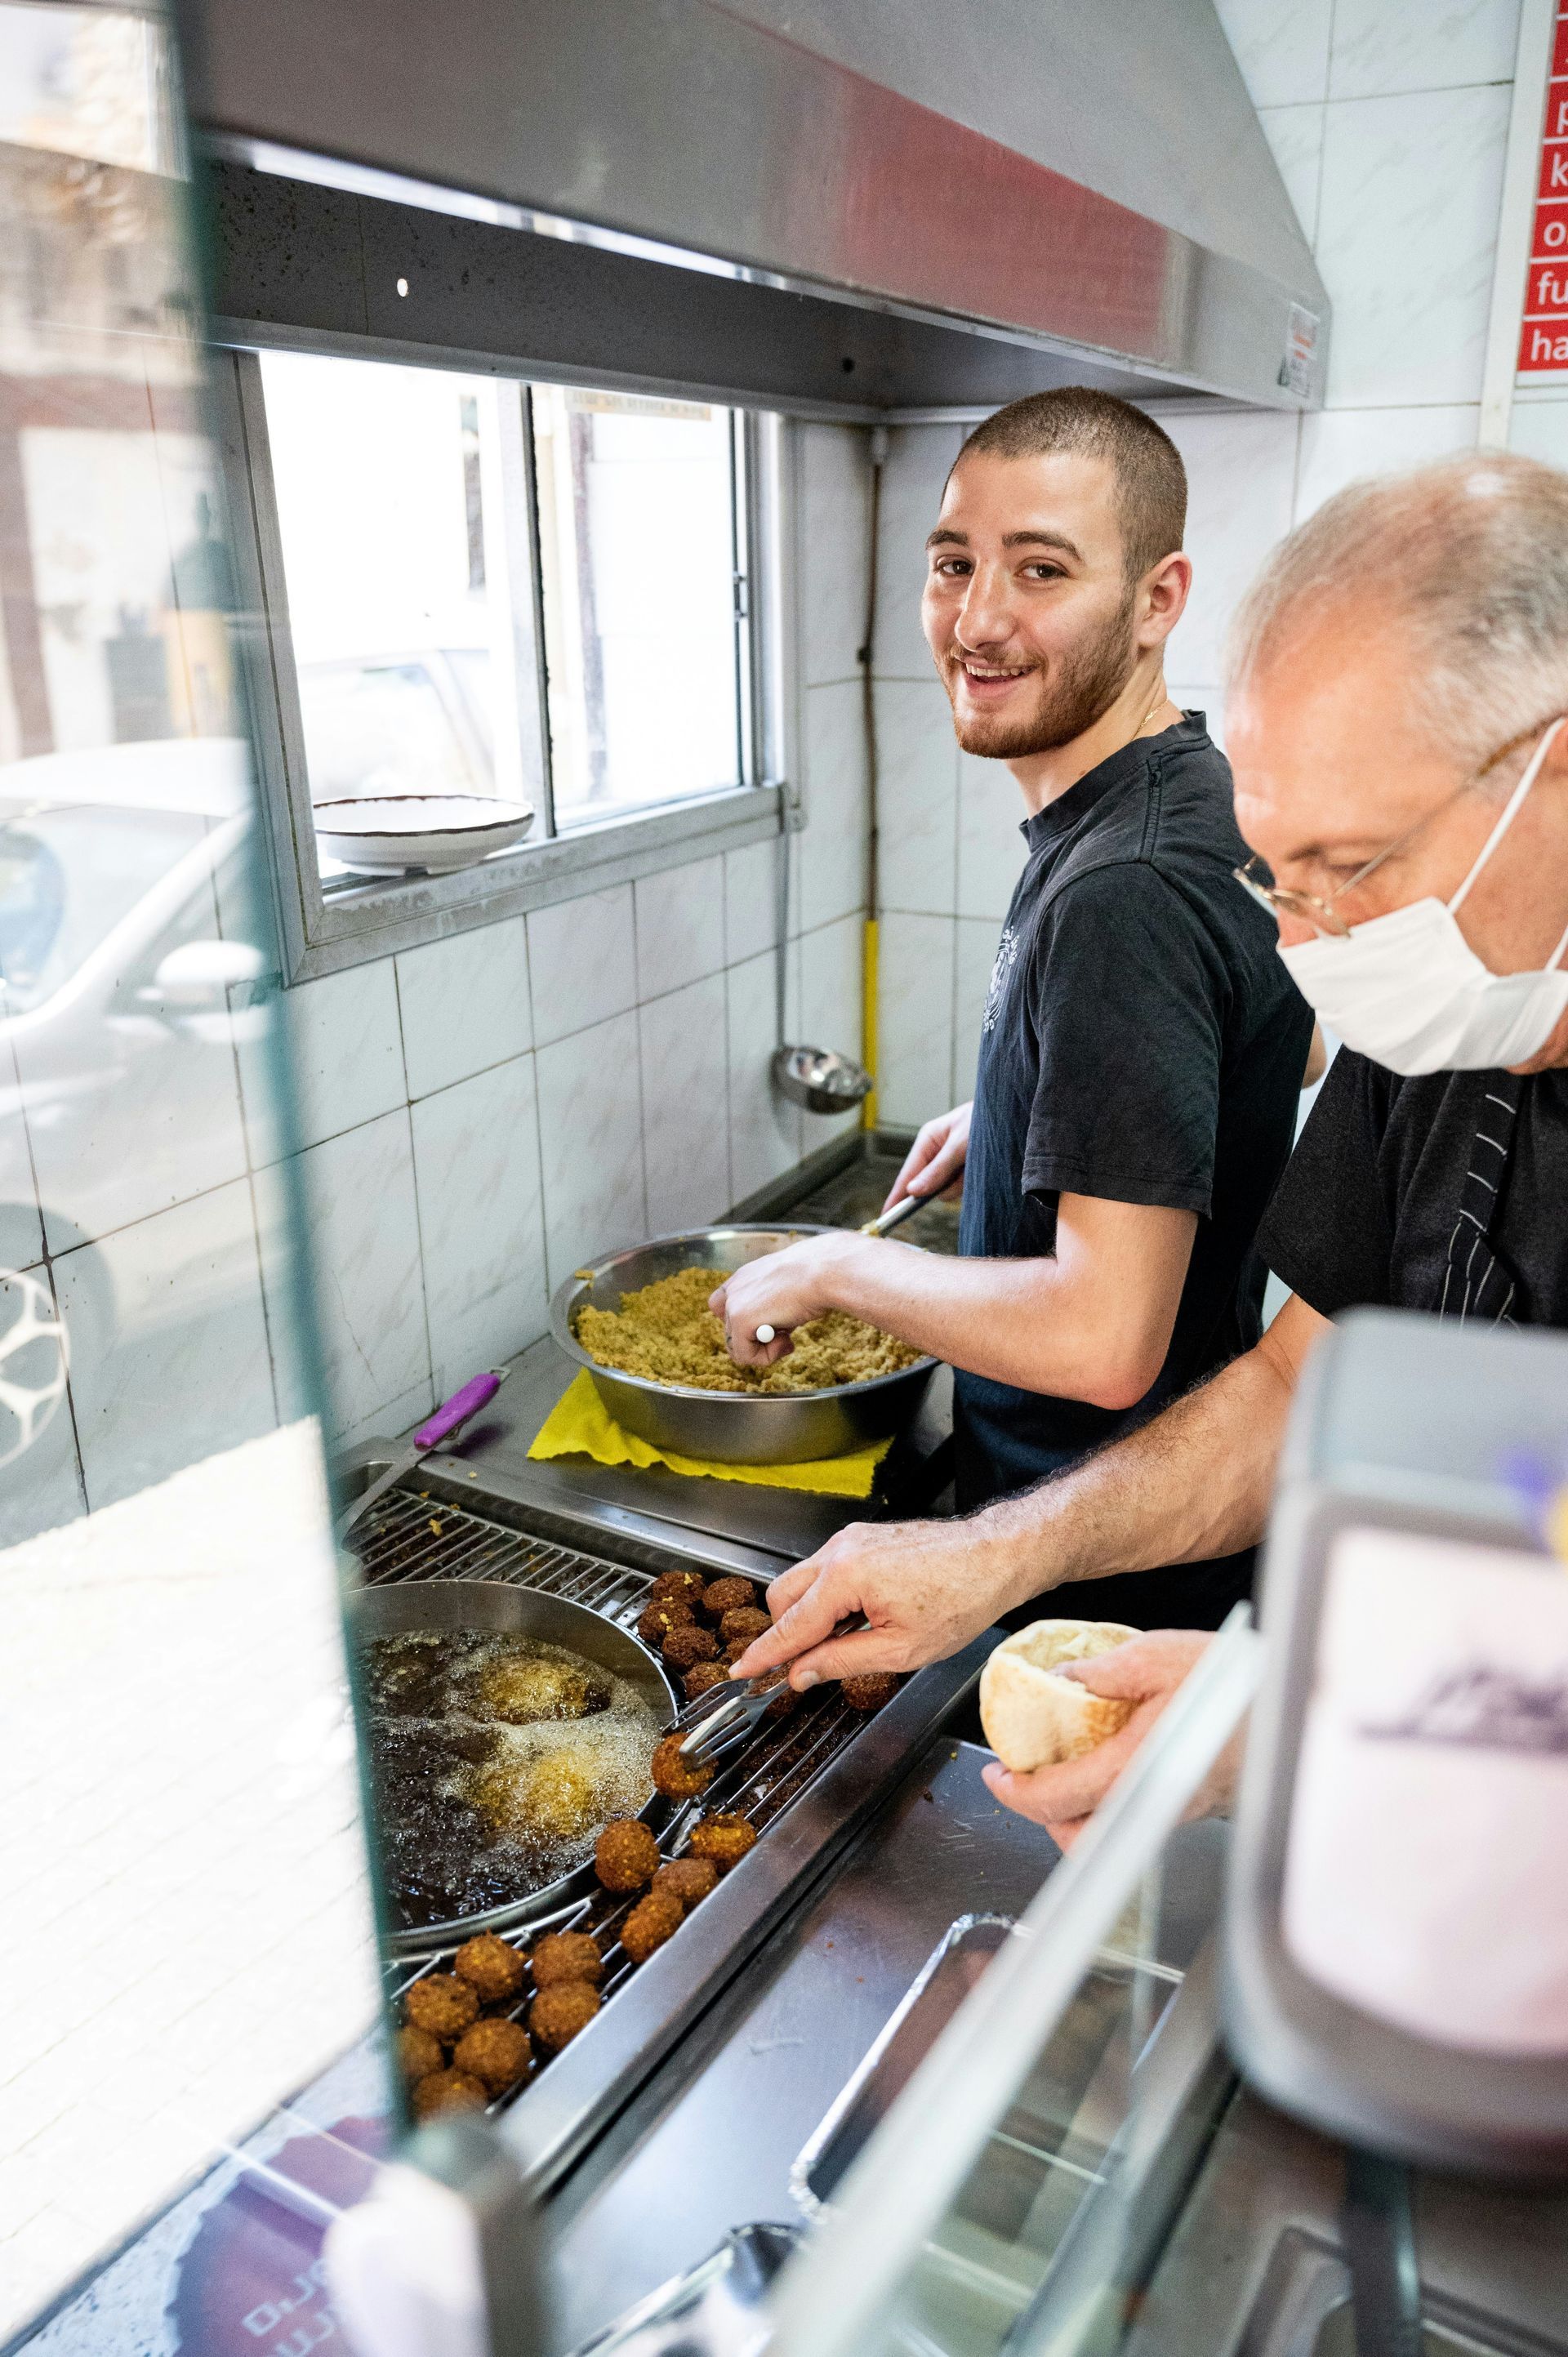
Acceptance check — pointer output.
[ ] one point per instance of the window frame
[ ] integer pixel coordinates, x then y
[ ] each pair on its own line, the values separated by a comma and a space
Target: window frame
322, 933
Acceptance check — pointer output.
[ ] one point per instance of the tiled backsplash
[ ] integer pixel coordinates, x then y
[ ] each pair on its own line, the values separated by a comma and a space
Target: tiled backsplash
475, 1117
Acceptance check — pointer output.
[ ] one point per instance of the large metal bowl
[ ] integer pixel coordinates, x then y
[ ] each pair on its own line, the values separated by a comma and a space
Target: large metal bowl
729, 1427
492, 1605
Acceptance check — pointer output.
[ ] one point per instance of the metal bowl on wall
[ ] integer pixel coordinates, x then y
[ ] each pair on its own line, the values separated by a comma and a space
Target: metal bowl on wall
497, 1608
729, 1427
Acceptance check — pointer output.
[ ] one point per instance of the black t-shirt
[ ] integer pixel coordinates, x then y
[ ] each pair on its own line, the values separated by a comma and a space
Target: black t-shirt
1363, 1214
1141, 1041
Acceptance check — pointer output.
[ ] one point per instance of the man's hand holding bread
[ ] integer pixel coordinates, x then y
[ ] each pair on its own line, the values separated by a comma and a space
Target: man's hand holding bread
1064, 1704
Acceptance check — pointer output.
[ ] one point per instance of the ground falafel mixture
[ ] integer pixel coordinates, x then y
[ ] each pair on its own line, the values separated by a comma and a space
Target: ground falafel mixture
666, 1332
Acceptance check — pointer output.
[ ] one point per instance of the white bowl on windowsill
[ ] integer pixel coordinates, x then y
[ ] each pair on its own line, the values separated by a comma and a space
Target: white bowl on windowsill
389, 835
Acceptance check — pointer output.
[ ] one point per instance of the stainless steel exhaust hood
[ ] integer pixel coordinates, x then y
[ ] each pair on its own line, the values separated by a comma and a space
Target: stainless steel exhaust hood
859, 207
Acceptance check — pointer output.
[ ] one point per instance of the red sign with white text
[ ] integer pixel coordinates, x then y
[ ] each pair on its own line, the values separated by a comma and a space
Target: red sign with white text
1543, 339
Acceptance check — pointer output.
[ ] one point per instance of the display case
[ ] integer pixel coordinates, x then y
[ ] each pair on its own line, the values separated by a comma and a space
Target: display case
1008, 2188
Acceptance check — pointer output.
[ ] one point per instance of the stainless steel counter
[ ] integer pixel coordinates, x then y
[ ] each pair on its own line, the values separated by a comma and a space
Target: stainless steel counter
709, 2142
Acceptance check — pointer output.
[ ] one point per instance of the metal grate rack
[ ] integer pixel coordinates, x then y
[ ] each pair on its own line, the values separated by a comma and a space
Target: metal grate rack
416, 1535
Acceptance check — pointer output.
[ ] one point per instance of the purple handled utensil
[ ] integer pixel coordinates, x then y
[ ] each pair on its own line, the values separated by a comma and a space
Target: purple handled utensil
448, 1419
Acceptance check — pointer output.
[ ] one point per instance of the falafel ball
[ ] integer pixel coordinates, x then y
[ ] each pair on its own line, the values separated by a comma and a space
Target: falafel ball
686, 1646
566, 1956
659, 1620
687, 1880
870, 1690
625, 1854
492, 1970
747, 1620
651, 1921
677, 1778
722, 1596
685, 1586
417, 2052
704, 1675
495, 2053
723, 1837
736, 1648
447, 2091
442, 2005
560, 2011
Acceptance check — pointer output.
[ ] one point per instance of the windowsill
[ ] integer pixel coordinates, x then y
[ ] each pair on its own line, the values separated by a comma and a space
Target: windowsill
380, 915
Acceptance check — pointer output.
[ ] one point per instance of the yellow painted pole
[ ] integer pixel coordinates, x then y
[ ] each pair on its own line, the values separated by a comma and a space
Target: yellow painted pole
868, 1022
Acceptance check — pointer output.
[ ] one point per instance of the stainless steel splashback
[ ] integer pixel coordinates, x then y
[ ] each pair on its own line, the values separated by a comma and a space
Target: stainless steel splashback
1088, 188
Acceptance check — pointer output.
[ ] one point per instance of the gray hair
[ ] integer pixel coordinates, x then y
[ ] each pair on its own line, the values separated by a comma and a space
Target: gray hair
1471, 556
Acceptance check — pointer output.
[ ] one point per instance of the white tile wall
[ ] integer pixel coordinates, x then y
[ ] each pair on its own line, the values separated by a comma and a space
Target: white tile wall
831, 545
1380, 47
477, 1176
917, 763
680, 926
464, 1004
582, 959
765, 1134
831, 864
685, 1104
370, 1292
1407, 227
916, 1016
590, 1131
1281, 46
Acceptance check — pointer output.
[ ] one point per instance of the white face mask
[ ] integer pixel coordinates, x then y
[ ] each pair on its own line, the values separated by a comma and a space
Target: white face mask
1409, 991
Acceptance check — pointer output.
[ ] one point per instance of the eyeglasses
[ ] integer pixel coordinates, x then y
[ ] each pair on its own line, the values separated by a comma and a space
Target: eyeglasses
1319, 912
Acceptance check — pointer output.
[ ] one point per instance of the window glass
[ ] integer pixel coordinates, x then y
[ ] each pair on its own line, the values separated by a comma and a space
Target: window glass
636, 550
387, 484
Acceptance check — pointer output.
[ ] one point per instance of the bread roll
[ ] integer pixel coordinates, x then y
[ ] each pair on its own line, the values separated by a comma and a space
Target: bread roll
1033, 1717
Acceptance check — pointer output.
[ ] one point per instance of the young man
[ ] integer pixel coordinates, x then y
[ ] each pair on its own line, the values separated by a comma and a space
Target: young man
1143, 1047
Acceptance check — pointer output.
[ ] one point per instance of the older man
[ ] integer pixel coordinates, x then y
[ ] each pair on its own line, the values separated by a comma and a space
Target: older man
1399, 678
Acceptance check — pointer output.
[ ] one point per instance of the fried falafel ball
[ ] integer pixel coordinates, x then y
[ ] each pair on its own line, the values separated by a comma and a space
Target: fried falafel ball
442, 2005
687, 1880
625, 1854
660, 1621
735, 1649
678, 1779
417, 2052
705, 1674
686, 1646
492, 1970
727, 1595
870, 1690
447, 2091
651, 1921
723, 1837
560, 2011
747, 1620
684, 1586
566, 1956
495, 2052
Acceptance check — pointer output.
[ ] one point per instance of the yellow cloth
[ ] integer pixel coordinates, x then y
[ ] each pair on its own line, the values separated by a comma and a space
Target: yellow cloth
579, 1425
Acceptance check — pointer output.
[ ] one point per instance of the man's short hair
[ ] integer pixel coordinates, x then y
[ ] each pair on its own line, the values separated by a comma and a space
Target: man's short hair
1073, 421
1470, 556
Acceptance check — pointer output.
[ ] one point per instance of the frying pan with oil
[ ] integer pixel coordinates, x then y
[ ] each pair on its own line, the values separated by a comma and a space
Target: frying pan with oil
493, 1608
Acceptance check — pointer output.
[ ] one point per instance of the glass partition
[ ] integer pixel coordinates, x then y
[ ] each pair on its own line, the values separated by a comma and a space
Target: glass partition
190, 1973
1014, 2198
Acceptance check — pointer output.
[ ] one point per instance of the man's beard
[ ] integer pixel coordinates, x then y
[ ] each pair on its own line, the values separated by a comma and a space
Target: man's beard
1077, 692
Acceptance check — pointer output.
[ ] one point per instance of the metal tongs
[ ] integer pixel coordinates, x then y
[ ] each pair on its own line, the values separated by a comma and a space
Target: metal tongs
720, 1715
